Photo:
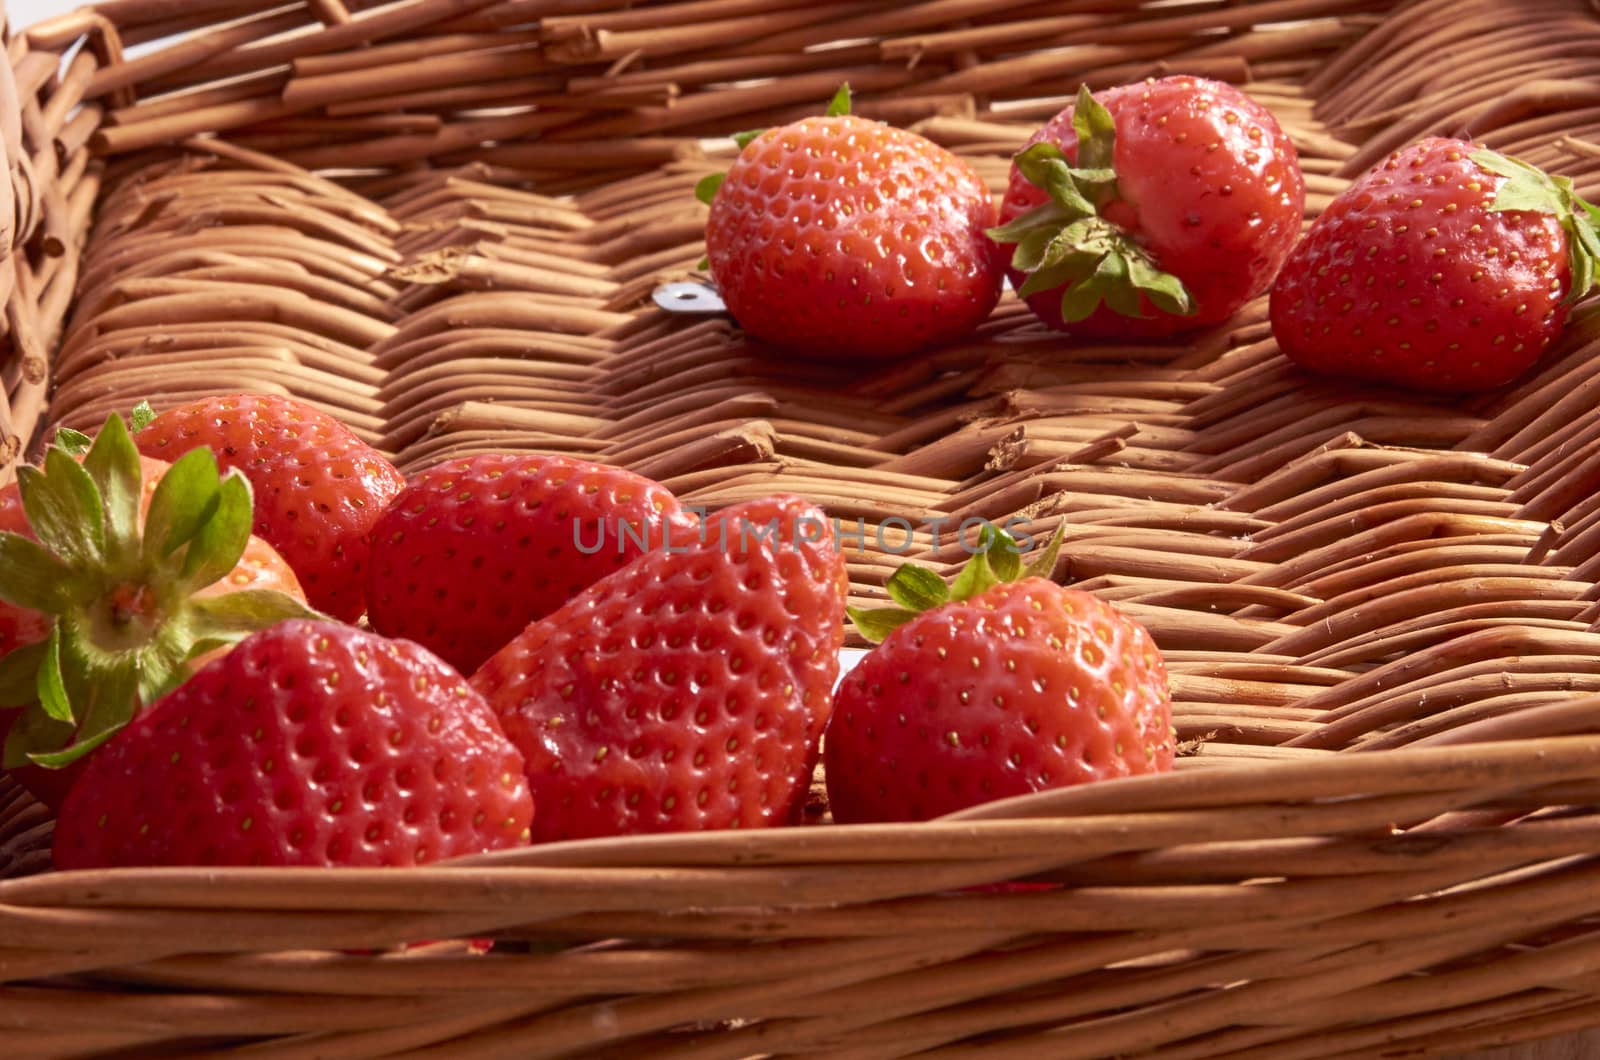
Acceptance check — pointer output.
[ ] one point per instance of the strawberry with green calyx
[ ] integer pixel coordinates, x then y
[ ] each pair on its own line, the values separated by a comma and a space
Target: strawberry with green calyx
310, 743
845, 238
1156, 208
706, 189
1003, 684
1530, 188
1446, 267
123, 602
916, 589
1066, 242
317, 487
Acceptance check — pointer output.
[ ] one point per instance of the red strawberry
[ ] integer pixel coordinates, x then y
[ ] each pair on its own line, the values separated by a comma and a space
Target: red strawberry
113, 573
1151, 209
310, 743
1001, 688
686, 691
318, 487
842, 237
1446, 267
476, 548
22, 626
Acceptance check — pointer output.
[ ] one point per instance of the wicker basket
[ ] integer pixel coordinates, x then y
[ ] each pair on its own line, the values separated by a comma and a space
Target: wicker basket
442, 220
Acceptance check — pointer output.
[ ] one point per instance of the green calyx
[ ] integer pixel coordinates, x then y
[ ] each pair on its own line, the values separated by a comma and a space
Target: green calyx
915, 588
1065, 242
122, 594
76, 443
707, 187
1530, 188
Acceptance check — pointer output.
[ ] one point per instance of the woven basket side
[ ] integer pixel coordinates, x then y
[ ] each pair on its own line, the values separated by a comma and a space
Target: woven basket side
636, 88
1300, 915
47, 196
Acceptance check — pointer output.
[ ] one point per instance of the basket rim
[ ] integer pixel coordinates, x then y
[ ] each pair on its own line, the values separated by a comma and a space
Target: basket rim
1108, 815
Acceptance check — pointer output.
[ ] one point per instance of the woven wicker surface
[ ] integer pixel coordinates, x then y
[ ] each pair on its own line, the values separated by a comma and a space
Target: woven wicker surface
1379, 612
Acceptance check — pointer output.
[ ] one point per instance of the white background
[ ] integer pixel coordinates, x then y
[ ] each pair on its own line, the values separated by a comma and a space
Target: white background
25, 13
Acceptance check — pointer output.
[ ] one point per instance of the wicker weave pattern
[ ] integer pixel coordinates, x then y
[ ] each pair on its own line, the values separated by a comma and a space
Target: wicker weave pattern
1328, 568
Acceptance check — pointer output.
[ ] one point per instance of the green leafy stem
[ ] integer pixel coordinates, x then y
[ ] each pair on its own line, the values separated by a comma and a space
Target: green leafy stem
915, 588
1529, 188
1066, 242
123, 595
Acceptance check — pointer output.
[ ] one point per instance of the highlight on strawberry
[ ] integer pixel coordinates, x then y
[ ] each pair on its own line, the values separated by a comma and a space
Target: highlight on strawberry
1151, 209
1446, 267
116, 572
317, 487
1000, 684
475, 548
686, 691
840, 237
310, 743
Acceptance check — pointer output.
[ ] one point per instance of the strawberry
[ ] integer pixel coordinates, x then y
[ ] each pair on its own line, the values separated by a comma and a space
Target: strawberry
310, 743
842, 237
114, 574
686, 691
1004, 684
476, 548
1151, 209
318, 487
1445, 267
22, 626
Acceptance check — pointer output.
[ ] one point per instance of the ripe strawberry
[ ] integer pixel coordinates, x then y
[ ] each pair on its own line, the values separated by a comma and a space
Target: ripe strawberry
22, 626
686, 691
842, 237
114, 574
311, 743
318, 487
476, 548
1155, 208
1446, 267
1002, 687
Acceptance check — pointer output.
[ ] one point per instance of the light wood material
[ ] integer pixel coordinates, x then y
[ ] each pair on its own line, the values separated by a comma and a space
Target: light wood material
441, 220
